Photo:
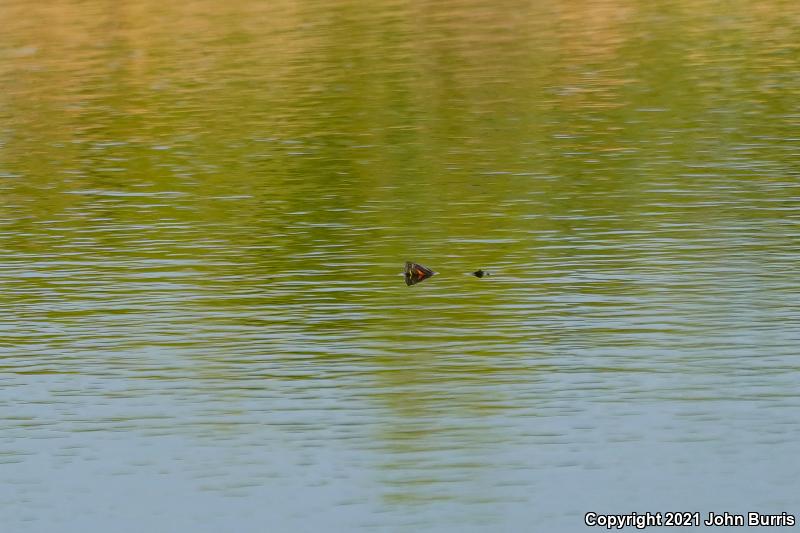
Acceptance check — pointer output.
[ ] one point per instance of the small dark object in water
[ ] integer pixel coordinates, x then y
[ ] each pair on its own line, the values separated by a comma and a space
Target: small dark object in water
480, 273
415, 273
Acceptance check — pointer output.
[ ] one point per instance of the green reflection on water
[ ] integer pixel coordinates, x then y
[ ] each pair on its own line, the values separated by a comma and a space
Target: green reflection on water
225, 193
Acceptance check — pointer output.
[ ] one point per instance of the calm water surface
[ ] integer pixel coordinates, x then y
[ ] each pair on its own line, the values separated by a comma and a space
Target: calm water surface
205, 206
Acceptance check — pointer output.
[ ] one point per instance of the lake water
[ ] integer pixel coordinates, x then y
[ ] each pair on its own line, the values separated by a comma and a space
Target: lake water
205, 208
